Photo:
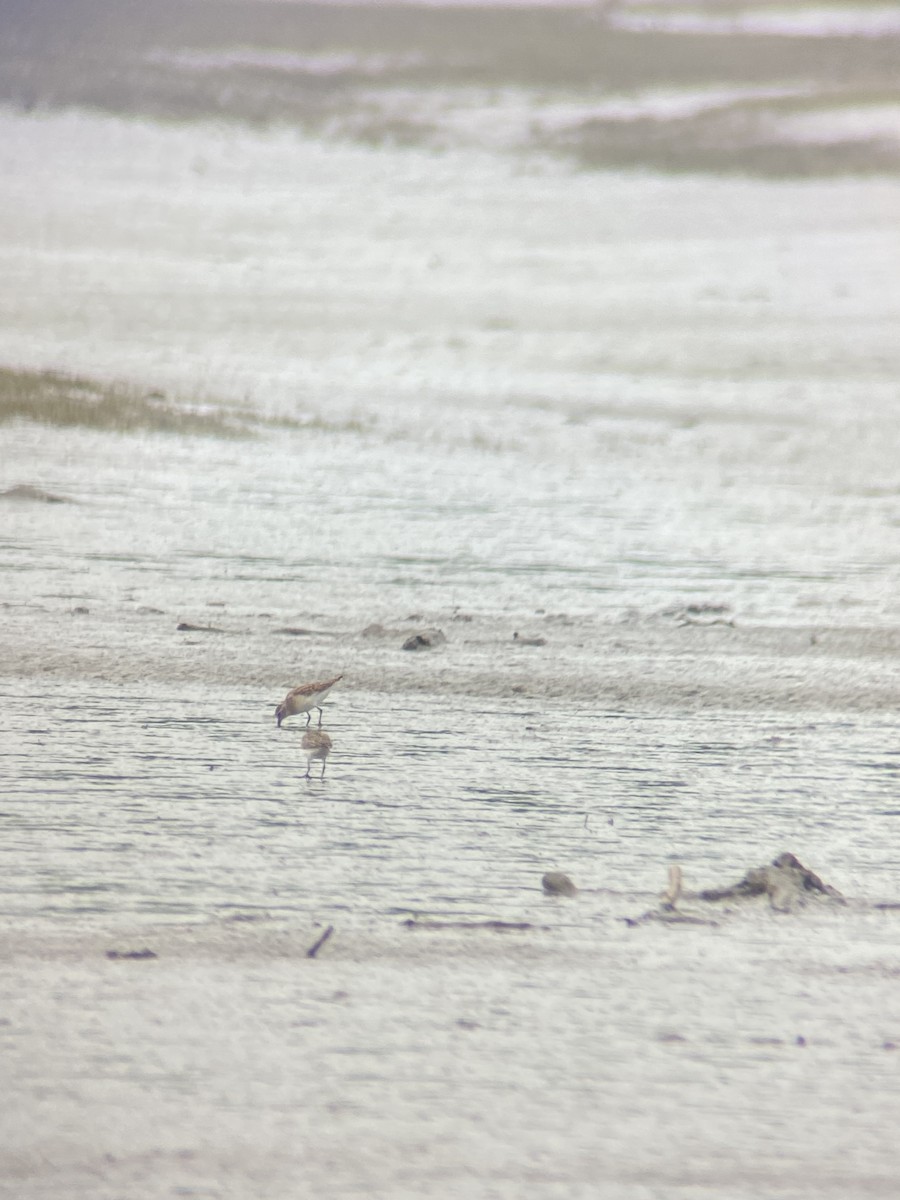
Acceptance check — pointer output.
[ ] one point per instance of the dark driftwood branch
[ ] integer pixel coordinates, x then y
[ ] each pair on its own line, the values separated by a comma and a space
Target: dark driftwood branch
320, 942
786, 882
499, 926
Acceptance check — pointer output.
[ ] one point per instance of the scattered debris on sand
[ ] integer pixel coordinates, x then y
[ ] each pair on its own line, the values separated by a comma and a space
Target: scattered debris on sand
788, 885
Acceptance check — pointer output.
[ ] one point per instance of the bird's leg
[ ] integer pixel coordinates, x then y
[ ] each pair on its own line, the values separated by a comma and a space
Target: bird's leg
322, 776
308, 718
319, 707
306, 776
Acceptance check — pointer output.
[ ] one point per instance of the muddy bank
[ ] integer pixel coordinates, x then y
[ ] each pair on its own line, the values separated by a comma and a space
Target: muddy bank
643, 663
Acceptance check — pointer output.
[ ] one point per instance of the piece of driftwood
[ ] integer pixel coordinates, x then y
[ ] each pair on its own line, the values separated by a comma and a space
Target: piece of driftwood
302, 631
498, 926
670, 897
320, 942
786, 882
668, 912
669, 916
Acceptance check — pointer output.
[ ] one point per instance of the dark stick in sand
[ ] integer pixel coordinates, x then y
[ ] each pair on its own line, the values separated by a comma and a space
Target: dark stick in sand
320, 942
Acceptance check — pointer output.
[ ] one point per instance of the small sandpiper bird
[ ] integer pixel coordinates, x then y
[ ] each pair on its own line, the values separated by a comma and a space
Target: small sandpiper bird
305, 698
316, 744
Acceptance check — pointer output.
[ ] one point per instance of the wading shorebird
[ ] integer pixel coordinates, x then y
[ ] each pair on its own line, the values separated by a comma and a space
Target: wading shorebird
305, 698
316, 744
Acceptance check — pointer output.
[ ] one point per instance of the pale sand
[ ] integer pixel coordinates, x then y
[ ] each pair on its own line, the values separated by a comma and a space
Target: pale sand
580, 1058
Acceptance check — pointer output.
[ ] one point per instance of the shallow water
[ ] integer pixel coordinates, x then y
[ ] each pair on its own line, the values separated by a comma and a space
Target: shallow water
536, 401
146, 802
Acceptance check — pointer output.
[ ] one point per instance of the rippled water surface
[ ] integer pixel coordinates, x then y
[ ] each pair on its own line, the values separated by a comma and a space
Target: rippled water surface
153, 803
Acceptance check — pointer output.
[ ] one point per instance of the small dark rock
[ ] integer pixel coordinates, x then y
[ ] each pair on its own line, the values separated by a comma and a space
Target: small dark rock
425, 639
555, 883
